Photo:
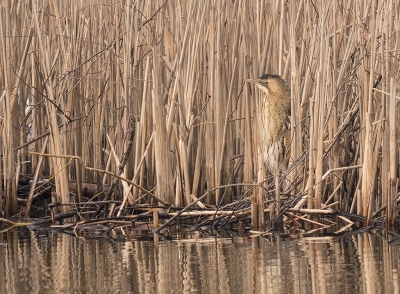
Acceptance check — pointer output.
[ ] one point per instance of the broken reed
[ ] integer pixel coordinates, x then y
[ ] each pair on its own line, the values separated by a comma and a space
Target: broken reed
75, 72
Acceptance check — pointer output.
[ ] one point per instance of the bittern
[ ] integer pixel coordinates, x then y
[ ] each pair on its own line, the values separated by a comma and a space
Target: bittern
274, 129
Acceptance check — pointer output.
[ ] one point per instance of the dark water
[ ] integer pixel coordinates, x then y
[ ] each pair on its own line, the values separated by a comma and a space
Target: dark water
51, 262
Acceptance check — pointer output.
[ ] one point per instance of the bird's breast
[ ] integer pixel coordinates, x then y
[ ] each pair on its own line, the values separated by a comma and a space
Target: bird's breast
272, 124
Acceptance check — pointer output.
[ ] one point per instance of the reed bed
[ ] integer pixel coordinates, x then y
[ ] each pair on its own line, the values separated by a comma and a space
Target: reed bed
149, 97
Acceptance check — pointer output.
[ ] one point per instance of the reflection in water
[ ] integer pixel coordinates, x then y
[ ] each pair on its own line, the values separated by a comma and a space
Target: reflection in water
50, 262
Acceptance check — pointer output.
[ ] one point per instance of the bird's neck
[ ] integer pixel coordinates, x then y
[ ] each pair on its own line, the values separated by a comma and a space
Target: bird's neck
273, 117
276, 101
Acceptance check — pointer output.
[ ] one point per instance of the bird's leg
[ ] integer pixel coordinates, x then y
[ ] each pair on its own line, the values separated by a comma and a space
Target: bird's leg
277, 196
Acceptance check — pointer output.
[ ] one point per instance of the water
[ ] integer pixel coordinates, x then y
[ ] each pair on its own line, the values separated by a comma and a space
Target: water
52, 262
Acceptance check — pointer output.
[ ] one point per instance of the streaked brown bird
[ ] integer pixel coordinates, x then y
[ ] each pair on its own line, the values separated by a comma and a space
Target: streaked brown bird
274, 126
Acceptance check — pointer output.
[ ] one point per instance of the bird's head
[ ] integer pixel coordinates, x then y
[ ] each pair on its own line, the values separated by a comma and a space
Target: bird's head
271, 84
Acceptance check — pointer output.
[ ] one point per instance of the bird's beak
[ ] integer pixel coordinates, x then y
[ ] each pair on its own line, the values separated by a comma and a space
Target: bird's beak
254, 81
259, 83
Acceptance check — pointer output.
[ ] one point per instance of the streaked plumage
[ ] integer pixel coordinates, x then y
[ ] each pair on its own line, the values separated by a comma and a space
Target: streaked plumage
274, 121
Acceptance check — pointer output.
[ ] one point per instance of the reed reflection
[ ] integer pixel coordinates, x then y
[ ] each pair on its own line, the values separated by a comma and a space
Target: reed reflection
48, 262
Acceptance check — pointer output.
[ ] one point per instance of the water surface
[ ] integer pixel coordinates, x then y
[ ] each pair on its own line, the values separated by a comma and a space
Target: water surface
52, 262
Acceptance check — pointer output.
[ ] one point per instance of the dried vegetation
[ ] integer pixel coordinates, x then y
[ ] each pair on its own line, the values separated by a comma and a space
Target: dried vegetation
148, 98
